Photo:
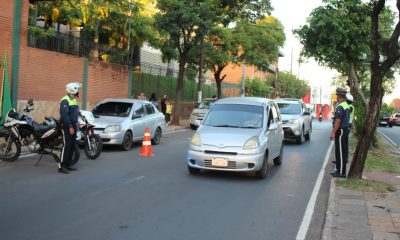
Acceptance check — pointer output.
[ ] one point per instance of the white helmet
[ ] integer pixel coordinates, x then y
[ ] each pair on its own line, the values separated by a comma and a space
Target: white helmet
73, 88
349, 97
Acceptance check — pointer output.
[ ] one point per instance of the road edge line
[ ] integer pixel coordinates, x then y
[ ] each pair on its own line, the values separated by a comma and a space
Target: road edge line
305, 224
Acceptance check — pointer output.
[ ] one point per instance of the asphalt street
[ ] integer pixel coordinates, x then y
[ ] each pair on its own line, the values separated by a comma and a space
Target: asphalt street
124, 196
392, 133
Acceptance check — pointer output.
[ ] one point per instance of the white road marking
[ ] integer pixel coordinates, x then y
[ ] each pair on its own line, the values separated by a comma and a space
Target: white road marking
28, 155
305, 224
184, 130
388, 138
132, 180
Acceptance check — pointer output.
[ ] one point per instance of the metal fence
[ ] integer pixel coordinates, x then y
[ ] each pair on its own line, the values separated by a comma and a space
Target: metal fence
150, 78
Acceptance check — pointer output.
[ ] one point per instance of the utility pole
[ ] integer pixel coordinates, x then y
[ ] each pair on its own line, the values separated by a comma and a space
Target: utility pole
243, 79
291, 62
201, 63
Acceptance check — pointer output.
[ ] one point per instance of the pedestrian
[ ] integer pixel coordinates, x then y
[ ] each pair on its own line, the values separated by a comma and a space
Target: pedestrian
168, 112
69, 111
153, 100
340, 133
164, 105
142, 96
349, 100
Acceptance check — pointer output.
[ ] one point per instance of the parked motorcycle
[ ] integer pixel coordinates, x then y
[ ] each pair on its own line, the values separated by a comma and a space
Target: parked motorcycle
86, 137
22, 130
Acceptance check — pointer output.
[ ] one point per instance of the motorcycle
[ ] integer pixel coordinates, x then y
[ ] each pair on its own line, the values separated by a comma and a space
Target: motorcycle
320, 117
20, 130
86, 137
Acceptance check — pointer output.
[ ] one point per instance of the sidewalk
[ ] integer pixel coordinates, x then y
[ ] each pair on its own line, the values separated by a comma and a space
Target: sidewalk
183, 124
363, 215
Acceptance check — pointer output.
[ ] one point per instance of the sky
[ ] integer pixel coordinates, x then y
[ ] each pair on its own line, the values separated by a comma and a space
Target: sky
293, 14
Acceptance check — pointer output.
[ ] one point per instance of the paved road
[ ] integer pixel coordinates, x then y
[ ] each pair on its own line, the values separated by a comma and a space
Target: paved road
124, 196
393, 133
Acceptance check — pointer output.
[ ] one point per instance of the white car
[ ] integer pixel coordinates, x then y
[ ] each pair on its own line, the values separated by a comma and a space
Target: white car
123, 121
198, 114
240, 134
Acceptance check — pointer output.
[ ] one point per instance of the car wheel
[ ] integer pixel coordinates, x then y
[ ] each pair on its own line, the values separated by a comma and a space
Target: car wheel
300, 138
157, 137
278, 159
308, 135
193, 170
127, 141
193, 127
262, 173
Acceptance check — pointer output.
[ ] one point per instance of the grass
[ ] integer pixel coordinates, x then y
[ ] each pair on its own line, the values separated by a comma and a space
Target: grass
365, 185
379, 159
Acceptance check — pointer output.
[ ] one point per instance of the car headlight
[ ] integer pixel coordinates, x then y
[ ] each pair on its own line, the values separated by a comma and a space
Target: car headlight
251, 143
113, 128
293, 121
196, 141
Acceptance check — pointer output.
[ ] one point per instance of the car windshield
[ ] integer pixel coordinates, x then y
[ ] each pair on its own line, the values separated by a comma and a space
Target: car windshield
235, 115
206, 104
117, 109
289, 108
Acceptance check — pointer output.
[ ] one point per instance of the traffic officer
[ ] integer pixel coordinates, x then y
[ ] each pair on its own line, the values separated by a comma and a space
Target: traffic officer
69, 111
349, 100
340, 133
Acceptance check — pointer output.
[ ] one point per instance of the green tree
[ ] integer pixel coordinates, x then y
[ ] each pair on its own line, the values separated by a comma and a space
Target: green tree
360, 29
183, 22
288, 85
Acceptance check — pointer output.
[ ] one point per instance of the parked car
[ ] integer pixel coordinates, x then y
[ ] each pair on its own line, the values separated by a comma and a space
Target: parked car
297, 120
239, 134
198, 114
123, 121
386, 120
396, 119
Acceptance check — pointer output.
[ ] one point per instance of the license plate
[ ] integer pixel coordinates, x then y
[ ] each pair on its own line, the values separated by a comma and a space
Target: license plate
383, 122
219, 162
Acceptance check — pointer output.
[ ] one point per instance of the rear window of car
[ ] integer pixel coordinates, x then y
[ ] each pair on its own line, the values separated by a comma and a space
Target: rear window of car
289, 108
117, 109
237, 116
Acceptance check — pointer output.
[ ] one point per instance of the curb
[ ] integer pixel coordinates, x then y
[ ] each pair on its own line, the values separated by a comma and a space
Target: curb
329, 231
390, 141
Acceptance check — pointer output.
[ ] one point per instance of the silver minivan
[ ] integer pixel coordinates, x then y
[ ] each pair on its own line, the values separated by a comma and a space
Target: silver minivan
239, 134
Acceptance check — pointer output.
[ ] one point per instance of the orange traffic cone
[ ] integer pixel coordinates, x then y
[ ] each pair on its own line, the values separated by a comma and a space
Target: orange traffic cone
146, 146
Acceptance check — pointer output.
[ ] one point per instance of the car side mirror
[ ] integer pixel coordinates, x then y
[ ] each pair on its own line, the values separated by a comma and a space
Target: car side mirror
196, 105
273, 126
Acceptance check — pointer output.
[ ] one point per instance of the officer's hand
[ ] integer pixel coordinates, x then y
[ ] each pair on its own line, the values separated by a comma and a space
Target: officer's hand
332, 137
71, 131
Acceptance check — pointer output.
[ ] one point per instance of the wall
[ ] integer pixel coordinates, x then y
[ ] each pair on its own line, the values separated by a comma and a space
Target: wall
6, 23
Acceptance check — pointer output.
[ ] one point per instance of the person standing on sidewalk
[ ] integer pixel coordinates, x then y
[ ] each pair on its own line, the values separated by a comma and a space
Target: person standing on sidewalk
69, 111
349, 100
340, 133
168, 112
164, 105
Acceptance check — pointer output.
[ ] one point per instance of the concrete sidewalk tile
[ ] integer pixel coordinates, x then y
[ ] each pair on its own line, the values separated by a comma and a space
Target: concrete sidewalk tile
385, 236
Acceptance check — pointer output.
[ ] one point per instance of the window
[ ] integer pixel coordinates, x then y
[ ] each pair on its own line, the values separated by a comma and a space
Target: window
138, 110
149, 109
290, 108
117, 109
275, 114
235, 115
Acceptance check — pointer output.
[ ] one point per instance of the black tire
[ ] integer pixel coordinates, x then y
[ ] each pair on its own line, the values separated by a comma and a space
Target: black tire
96, 146
193, 170
278, 159
193, 127
263, 172
157, 137
75, 156
10, 149
127, 142
308, 135
300, 139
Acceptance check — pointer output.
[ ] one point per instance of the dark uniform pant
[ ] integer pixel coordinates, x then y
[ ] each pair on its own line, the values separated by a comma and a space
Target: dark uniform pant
341, 149
68, 149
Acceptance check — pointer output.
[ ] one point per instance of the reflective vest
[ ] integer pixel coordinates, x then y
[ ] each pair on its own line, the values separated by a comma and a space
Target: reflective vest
71, 102
351, 113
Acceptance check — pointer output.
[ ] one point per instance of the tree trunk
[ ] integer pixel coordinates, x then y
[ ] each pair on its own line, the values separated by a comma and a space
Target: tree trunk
367, 132
200, 83
179, 88
218, 79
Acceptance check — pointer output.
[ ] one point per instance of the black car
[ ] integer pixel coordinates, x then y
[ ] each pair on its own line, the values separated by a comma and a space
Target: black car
386, 120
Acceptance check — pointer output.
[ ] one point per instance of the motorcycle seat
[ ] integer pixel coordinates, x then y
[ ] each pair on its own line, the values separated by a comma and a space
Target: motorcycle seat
40, 127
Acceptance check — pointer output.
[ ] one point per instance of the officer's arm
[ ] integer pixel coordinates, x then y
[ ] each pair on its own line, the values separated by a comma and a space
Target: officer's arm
64, 113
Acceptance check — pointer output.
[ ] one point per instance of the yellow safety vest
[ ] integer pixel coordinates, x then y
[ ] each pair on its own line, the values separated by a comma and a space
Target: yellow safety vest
71, 102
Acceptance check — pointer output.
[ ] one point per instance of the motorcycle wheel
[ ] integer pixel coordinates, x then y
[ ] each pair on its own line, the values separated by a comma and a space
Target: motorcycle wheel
75, 156
96, 146
10, 149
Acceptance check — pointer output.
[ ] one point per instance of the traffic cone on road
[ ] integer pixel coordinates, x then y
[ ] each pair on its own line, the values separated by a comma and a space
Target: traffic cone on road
146, 145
